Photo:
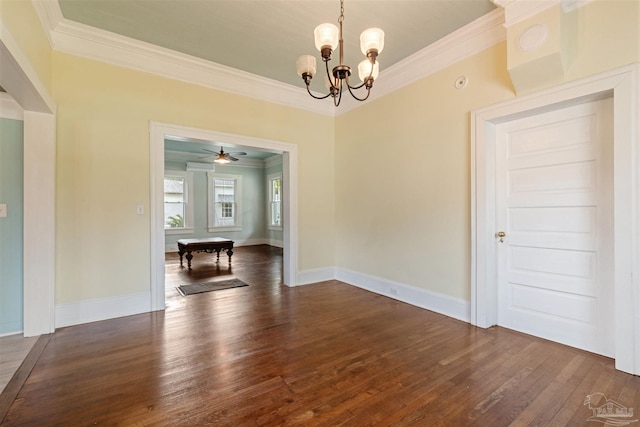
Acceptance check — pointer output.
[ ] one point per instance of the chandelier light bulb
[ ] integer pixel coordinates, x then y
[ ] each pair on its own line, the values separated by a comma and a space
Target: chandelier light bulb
364, 70
326, 35
372, 39
306, 64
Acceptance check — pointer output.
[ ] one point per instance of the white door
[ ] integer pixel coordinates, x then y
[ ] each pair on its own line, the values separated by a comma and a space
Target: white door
554, 205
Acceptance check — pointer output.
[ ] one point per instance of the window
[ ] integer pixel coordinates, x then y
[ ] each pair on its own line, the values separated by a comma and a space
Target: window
178, 210
224, 202
274, 181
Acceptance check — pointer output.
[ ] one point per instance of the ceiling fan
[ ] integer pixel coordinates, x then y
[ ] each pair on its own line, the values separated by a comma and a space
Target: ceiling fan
222, 157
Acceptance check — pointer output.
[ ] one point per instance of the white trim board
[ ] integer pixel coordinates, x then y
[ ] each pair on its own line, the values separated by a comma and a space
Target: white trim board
434, 301
624, 85
21, 81
93, 310
316, 275
89, 42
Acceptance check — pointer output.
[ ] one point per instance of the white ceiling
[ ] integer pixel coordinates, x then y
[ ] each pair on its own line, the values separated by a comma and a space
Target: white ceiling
264, 37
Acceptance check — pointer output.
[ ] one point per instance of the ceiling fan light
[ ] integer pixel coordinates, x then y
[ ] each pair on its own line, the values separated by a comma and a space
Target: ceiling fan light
221, 160
364, 70
326, 35
306, 64
372, 39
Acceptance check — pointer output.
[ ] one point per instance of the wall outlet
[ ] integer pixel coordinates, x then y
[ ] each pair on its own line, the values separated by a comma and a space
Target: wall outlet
140, 209
394, 291
3, 210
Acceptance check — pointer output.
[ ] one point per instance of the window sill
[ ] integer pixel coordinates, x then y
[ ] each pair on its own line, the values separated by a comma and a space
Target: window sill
186, 230
216, 229
275, 227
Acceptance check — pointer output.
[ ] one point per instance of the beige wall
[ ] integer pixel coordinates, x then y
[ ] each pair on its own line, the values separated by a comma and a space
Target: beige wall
20, 18
392, 200
602, 35
403, 177
403, 161
104, 111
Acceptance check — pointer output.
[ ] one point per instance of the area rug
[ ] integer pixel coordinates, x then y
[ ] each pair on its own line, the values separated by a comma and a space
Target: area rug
198, 288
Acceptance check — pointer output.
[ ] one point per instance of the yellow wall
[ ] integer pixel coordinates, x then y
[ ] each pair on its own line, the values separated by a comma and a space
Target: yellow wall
403, 161
403, 177
104, 111
19, 16
399, 165
608, 37
599, 36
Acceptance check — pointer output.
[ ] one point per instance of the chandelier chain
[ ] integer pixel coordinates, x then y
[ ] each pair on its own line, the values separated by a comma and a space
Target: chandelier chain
341, 19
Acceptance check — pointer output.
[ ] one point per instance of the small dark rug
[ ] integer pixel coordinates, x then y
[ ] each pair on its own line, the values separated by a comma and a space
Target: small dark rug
198, 288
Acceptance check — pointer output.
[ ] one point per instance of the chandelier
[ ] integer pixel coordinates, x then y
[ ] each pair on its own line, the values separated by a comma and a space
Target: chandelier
327, 38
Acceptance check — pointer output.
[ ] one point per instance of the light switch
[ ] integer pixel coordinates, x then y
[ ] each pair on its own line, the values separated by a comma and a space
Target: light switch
3, 210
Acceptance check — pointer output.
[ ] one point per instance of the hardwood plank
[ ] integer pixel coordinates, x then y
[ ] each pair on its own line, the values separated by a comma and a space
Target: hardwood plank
11, 390
326, 354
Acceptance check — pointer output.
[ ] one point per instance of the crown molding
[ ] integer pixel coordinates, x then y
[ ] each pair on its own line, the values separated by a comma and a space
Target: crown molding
89, 42
481, 34
273, 160
520, 10
184, 157
50, 16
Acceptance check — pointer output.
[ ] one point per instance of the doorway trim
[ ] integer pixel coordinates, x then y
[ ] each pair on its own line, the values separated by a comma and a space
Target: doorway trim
157, 133
24, 85
623, 85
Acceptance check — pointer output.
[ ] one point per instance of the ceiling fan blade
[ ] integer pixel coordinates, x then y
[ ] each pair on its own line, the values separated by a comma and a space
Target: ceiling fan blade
231, 158
239, 153
205, 157
209, 151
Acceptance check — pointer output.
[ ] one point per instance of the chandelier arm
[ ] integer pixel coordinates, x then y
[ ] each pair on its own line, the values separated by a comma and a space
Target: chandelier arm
337, 99
359, 99
354, 87
326, 63
317, 97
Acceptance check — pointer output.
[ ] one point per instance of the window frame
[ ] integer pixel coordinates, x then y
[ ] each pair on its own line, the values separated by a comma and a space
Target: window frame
188, 203
270, 178
237, 200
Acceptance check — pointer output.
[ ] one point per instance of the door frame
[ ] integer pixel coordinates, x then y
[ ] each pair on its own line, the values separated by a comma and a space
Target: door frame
623, 85
25, 86
157, 133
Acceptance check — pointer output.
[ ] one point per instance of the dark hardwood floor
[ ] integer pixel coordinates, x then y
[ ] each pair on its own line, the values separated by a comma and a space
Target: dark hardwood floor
326, 354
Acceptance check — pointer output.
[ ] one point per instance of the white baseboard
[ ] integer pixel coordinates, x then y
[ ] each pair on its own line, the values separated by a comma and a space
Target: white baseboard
75, 313
306, 277
444, 304
276, 243
8, 334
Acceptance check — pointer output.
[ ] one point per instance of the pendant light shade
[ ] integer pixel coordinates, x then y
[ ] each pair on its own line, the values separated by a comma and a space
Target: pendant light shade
364, 70
372, 40
326, 35
306, 64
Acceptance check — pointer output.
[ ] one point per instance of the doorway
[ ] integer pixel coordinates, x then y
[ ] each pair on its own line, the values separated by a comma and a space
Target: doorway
555, 225
158, 133
621, 85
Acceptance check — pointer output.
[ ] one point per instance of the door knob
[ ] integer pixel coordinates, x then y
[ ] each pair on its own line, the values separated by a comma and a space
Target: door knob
501, 235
